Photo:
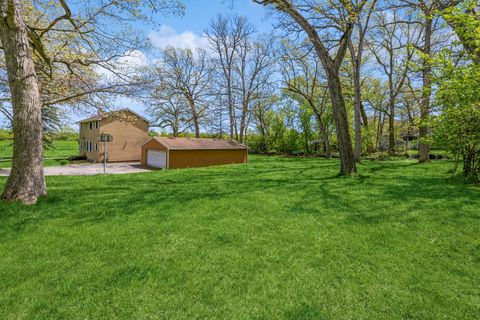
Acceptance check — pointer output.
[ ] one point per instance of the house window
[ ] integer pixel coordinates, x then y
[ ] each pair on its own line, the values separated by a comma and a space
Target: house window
91, 125
97, 124
96, 146
81, 145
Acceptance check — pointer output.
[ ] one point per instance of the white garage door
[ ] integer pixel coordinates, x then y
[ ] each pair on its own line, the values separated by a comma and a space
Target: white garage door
156, 159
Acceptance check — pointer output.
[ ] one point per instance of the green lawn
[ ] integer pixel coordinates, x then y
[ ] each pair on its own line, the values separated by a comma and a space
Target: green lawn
278, 238
60, 149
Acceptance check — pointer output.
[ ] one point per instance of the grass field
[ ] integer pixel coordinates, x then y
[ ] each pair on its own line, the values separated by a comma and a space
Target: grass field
278, 238
60, 149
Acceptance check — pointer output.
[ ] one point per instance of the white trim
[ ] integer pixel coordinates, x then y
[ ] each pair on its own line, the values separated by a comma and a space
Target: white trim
168, 159
149, 141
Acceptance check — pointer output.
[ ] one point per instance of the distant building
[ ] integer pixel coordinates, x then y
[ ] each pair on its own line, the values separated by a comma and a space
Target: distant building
128, 129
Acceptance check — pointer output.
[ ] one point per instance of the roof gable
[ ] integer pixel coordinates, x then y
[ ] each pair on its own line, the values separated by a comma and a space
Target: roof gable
198, 144
112, 114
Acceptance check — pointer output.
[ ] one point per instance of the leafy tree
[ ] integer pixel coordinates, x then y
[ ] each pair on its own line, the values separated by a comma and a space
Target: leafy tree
391, 45
464, 18
458, 125
312, 16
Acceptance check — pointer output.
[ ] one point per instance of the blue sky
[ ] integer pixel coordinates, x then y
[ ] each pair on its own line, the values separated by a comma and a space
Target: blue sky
198, 14
187, 31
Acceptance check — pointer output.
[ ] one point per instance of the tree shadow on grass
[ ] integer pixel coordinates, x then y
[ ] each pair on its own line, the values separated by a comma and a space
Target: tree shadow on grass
320, 193
401, 198
95, 199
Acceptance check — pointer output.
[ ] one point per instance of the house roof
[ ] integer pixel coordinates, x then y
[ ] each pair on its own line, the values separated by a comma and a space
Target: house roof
106, 114
198, 144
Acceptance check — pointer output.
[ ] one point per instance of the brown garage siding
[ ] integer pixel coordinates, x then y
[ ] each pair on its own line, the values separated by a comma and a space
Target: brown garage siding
202, 158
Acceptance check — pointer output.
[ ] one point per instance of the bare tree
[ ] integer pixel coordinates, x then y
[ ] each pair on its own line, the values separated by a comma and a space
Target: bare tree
356, 47
375, 94
254, 73
189, 75
226, 35
169, 110
391, 44
303, 76
312, 16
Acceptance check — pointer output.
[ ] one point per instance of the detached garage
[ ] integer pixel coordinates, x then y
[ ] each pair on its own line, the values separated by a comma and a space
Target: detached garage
165, 152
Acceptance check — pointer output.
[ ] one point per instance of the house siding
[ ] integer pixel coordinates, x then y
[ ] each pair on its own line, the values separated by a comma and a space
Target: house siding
128, 137
87, 135
129, 132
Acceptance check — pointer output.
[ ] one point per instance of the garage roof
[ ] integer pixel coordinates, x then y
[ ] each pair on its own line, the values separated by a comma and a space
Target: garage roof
198, 143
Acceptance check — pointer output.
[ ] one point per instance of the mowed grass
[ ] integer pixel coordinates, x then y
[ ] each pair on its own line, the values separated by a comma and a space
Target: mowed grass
59, 149
278, 238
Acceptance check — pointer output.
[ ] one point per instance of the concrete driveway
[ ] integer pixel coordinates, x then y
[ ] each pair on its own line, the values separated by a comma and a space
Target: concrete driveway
86, 169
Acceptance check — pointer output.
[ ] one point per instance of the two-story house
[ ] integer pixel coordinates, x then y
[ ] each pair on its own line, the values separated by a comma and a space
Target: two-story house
128, 129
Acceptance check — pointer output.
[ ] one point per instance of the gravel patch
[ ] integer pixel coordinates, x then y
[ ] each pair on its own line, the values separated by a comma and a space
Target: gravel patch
87, 169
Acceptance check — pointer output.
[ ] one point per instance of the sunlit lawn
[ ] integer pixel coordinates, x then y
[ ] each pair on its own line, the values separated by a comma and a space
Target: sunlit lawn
278, 238
59, 149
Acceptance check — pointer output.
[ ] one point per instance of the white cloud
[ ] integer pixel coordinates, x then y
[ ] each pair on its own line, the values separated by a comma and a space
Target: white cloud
129, 63
133, 59
166, 37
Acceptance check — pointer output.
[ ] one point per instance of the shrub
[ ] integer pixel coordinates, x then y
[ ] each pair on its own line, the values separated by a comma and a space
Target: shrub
6, 135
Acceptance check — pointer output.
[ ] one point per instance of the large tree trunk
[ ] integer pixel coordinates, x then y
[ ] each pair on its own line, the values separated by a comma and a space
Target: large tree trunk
26, 181
347, 157
357, 109
331, 66
424, 146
